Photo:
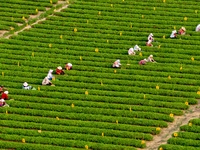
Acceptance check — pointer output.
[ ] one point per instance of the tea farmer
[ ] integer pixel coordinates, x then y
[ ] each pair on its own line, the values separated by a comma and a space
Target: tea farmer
150, 37
182, 31
50, 75
116, 64
59, 71
46, 81
173, 34
68, 66
3, 103
143, 62
150, 59
26, 86
132, 51
4, 95
148, 43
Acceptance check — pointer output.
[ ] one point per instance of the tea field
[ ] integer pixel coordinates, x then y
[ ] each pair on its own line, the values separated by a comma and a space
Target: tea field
95, 106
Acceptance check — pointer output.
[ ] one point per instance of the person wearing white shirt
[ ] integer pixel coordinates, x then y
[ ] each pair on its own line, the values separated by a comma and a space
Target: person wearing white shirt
150, 59
46, 81
49, 75
150, 37
132, 51
116, 64
173, 34
68, 66
26, 86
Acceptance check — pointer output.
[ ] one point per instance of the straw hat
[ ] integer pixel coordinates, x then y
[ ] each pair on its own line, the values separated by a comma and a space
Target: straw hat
151, 34
183, 28
151, 56
25, 84
6, 92
60, 68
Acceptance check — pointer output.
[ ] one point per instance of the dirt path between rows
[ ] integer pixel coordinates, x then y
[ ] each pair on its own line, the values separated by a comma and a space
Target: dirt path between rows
65, 5
166, 133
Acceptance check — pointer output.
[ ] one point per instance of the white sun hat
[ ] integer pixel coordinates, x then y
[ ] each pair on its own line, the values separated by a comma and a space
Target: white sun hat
25, 84
69, 64
6, 92
151, 56
2, 100
131, 49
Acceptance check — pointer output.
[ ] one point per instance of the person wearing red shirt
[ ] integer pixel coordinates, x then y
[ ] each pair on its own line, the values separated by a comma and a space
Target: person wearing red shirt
142, 62
59, 70
4, 95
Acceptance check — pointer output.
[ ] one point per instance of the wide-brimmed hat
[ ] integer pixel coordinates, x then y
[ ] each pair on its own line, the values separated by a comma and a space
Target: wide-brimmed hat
25, 84
151, 56
151, 34
6, 92
183, 28
59, 67
2, 100
131, 49
118, 60
69, 64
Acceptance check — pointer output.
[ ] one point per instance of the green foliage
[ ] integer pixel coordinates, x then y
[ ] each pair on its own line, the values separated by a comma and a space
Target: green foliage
122, 109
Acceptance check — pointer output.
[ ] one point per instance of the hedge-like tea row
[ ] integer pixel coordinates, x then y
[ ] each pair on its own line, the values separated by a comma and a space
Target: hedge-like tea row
94, 128
70, 136
49, 124
32, 146
95, 111
65, 142
89, 117
90, 103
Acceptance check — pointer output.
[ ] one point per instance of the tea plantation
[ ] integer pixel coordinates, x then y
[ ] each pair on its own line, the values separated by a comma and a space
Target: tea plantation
94, 106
